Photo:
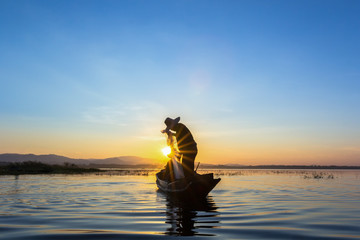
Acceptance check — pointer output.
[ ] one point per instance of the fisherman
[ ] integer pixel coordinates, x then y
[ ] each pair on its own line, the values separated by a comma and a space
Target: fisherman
173, 168
185, 143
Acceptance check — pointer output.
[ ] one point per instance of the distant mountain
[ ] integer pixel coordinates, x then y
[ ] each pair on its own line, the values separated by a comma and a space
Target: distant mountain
49, 159
56, 159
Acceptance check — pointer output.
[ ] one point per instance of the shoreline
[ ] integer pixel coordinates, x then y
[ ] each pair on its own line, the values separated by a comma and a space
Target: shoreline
31, 167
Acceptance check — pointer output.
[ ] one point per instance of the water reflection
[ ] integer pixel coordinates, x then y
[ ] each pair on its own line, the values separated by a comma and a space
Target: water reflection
189, 218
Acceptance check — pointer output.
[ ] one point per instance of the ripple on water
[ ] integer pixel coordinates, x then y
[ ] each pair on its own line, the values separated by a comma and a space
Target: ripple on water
250, 205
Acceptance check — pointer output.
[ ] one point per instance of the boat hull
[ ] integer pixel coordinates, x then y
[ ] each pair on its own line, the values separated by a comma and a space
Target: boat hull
198, 186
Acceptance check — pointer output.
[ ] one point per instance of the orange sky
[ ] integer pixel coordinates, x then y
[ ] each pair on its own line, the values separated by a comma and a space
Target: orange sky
215, 148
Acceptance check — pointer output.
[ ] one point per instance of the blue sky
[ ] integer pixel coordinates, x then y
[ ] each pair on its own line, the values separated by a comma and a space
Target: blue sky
256, 81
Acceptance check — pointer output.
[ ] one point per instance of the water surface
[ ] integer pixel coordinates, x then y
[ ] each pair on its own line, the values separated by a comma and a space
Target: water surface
246, 204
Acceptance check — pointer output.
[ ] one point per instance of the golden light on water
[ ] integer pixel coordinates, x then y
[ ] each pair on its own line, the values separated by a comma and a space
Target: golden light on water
166, 151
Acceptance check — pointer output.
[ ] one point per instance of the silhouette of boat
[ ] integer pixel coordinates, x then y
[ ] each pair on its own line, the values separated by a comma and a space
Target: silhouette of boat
197, 186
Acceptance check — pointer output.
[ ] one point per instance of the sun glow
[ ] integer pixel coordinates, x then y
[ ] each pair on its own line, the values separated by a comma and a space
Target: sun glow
166, 151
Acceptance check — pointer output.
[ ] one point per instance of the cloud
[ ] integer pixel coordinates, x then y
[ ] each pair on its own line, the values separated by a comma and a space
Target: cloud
350, 149
199, 82
142, 115
225, 110
105, 115
248, 132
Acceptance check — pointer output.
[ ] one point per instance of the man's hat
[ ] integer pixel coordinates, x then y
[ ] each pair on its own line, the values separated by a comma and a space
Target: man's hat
170, 123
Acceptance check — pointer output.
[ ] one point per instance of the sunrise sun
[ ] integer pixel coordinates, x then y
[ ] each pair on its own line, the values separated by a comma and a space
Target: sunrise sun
166, 151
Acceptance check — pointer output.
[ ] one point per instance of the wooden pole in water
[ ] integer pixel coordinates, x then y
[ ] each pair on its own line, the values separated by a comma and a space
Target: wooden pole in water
197, 166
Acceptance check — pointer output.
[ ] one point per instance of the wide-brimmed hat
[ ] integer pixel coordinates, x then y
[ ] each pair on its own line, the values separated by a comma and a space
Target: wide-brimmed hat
170, 123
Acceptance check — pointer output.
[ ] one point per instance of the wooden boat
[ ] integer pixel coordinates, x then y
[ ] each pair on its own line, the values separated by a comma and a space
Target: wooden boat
197, 186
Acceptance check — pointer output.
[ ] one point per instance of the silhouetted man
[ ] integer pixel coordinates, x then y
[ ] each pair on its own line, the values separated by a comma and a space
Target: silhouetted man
186, 144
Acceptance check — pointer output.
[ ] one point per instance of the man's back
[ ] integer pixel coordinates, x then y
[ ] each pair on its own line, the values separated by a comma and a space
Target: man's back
184, 138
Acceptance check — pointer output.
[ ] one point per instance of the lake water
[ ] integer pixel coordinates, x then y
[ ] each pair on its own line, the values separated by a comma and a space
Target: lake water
246, 204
